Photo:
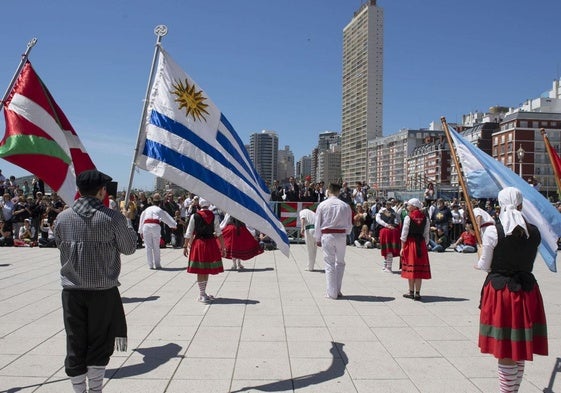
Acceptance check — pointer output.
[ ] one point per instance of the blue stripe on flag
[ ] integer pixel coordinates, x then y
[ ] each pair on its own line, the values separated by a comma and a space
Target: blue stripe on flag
193, 168
225, 142
179, 129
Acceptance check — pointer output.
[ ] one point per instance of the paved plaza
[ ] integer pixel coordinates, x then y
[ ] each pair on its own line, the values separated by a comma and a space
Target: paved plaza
270, 329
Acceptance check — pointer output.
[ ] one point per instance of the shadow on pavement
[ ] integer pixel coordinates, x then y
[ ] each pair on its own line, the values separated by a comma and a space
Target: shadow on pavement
18, 388
125, 299
368, 298
5, 264
250, 270
437, 299
335, 370
154, 357
173, 269
226, 300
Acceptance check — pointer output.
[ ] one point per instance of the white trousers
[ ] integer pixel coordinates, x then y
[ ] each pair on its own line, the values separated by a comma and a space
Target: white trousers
311, 246
151, 234
334, 246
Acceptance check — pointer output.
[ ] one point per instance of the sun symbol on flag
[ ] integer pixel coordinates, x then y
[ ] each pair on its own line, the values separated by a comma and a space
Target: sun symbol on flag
190, 99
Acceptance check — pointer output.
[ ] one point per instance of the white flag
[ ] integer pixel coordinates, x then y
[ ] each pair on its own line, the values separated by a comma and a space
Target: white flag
188, 141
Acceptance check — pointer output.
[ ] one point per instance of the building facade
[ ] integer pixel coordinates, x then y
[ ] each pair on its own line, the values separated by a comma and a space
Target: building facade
329, 165
304, 167
363, 50
522, 130
285, 165
388, 156
264, 151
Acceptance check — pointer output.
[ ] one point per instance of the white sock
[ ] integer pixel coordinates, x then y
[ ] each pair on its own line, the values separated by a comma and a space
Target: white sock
389, 261
79, 383
202, 288
507, 378
95, 378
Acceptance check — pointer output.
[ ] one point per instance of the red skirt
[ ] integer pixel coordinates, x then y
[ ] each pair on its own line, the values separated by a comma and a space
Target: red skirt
205, 257
415, 260
512, 324
390, 241
240, 243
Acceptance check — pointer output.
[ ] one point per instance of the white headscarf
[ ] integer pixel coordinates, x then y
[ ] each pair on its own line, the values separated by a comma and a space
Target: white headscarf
415, 202
203, 202
509, 200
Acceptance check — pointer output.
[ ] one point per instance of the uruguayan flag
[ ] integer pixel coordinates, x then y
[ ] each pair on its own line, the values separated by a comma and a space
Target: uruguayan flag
486, 176
188, 141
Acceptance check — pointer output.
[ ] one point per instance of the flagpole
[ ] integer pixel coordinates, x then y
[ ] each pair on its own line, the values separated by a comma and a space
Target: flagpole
160, 31
550, 155
461, 180
22, 62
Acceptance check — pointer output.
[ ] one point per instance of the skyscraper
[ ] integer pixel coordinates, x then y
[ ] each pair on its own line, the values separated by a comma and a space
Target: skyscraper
263, 151
363, 55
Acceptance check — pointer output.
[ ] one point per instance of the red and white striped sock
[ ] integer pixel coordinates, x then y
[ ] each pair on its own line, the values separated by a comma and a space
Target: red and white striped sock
519, 374
202, 288
507, 378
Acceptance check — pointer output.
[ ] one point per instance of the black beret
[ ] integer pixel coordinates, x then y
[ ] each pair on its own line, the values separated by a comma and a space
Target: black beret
91, 179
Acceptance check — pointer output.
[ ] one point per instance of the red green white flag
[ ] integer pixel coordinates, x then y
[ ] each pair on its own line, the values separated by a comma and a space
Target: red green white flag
40, 139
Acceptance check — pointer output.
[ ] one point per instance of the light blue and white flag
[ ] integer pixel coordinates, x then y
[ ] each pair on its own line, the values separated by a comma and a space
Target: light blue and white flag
188, 141
486, 176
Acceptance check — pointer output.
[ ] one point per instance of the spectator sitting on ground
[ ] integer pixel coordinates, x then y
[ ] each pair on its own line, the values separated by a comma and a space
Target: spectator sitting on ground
365, 239
440, 242
26, 232
6, 238
266, 243
467, 242
47, 238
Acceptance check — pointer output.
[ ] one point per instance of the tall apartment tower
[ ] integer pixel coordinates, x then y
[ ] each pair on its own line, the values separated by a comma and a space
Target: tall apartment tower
363, 55
285, 168
264, 152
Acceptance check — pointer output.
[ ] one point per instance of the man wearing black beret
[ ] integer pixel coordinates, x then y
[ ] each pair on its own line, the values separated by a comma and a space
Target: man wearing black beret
91, 237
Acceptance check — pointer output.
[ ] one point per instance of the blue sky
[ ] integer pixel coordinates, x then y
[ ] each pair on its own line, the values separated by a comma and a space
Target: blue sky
276, 65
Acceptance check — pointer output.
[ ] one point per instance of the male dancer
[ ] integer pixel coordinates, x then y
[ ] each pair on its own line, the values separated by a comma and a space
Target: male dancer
333, 223
91, 237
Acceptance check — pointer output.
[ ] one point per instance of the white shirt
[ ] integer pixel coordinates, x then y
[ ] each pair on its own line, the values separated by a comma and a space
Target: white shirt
156, 213
333, 213
490, 240
307, 216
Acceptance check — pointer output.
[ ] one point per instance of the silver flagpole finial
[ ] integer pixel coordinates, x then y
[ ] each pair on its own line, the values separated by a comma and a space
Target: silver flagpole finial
32, 43
161, 30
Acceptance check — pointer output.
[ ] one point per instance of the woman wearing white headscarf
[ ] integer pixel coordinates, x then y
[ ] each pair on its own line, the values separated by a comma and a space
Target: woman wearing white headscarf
415, 264
512, 323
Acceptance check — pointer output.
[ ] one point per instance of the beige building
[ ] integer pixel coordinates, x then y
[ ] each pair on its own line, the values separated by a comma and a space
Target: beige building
363, 49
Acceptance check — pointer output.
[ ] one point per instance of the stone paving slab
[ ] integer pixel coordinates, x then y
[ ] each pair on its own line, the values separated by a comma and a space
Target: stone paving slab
270, 329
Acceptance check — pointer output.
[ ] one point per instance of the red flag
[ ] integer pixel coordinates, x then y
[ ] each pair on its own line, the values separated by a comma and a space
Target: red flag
39, 137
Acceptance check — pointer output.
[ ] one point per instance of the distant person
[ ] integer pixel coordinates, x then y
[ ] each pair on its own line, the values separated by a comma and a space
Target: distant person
307, 229
239, 242
202, 249
512, 324
414, 255
333, 224
390, 231
150, 230
467, 242
440, 242
91, 238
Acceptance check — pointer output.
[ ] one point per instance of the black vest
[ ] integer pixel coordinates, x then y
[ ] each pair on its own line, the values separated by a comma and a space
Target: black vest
514, 253
202, 229
417, 230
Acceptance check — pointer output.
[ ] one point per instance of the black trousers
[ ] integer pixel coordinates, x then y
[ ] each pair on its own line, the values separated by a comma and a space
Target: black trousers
92, 320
